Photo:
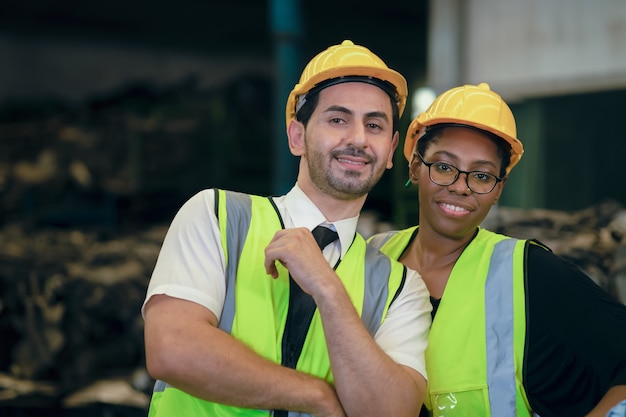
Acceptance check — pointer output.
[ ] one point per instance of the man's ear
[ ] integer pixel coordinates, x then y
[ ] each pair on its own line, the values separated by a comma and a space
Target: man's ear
295, 135
394, 144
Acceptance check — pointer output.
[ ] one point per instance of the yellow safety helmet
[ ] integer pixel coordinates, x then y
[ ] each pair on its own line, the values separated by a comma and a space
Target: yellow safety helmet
471, 105
341, 62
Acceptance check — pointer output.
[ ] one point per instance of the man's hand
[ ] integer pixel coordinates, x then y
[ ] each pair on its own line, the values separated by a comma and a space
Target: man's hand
297, 251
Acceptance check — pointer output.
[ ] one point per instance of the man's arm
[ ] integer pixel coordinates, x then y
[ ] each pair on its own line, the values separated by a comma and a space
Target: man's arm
367, 380
185, 349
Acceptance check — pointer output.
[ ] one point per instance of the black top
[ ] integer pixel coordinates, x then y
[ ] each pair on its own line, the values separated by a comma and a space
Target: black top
575, 337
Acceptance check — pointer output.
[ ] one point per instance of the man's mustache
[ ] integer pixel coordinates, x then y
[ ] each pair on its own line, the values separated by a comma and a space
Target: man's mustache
353, 152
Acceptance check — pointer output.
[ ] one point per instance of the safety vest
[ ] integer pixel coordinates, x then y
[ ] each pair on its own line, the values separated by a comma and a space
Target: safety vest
476, 342
255, 306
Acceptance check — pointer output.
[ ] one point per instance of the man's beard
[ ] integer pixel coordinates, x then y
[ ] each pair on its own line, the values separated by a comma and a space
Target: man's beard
351, 184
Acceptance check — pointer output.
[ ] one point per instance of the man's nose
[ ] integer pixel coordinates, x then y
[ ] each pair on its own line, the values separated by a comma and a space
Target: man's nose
357, 136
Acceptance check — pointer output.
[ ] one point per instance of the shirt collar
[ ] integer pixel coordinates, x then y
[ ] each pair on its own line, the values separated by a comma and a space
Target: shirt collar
304, 213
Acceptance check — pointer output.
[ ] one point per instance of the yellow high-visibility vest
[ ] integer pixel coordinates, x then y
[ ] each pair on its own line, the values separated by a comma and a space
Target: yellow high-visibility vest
476, 342
255, 307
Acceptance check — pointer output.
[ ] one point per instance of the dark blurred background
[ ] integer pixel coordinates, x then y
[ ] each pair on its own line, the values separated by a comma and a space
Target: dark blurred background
137, 105
112, 114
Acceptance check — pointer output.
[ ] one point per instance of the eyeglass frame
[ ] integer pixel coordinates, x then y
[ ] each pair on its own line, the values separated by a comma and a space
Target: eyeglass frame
458, 174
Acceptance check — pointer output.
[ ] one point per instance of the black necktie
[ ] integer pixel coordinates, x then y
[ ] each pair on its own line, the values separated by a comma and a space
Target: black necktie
300, 312
324, 236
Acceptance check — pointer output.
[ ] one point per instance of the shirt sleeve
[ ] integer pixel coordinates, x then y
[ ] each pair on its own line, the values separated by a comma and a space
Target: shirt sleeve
191, 262
576, 337
403, 334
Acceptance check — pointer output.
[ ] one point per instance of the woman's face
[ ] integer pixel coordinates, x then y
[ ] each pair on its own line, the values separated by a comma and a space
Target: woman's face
454, 211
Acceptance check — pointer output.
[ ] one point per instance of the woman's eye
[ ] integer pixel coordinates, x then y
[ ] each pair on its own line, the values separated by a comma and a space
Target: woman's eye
482, 176
443, 167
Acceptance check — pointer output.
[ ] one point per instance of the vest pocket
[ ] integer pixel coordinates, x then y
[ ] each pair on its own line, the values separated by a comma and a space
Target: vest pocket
460, 403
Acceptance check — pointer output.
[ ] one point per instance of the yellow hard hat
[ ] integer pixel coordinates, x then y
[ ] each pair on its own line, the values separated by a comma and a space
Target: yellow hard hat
470, 105
347, 60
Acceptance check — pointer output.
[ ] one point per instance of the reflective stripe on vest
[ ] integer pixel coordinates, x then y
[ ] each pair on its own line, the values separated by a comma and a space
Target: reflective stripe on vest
237, 221
499, 319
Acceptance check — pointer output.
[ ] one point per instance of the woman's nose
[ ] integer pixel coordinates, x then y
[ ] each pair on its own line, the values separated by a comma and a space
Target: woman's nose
460, 185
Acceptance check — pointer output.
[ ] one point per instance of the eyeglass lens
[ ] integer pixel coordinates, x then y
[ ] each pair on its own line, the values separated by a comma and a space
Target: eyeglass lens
477, 181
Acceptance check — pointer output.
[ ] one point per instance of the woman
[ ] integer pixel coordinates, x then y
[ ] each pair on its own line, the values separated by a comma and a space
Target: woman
505, 340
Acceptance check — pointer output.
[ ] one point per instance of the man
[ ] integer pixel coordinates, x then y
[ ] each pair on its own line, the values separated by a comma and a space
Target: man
225, 333
518, 331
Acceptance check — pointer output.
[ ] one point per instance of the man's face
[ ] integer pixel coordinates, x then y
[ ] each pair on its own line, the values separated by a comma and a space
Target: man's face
349, 140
